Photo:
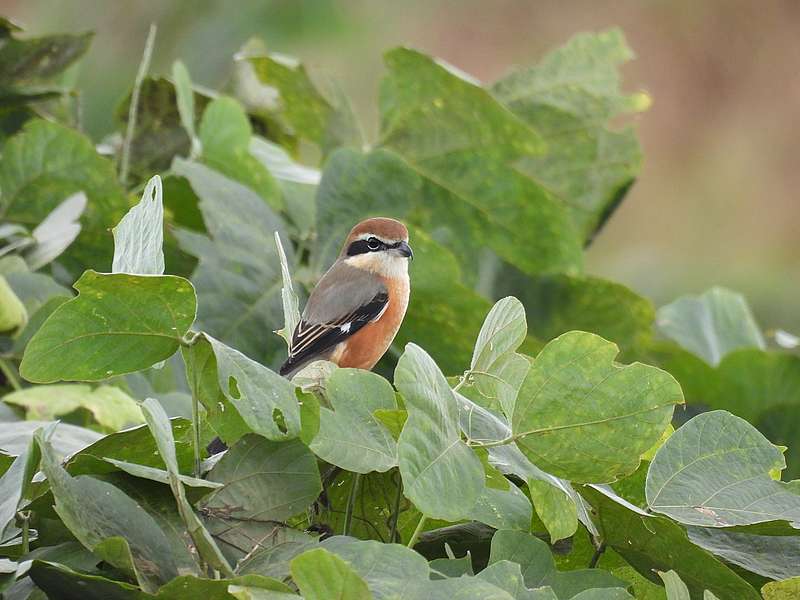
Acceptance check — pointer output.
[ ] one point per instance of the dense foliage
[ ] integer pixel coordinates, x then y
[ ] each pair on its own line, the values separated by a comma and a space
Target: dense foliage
520, 441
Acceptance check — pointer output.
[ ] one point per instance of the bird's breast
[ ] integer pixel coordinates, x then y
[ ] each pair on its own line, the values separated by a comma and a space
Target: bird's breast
366, 347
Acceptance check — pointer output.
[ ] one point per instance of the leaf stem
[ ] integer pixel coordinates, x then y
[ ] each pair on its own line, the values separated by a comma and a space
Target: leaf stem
144, 66
415, 536
196, 432
351, 503
599, 548
11, 377
26, 545
396, 511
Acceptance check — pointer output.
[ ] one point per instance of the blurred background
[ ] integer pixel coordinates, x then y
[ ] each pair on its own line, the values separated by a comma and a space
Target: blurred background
717, 201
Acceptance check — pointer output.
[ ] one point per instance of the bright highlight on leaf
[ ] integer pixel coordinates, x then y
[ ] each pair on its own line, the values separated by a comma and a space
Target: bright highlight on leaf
139, 237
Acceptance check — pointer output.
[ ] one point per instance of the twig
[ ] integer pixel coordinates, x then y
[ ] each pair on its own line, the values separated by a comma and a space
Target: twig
396, 512
414, 536
10, 375
599, 548
351, 503
144, 66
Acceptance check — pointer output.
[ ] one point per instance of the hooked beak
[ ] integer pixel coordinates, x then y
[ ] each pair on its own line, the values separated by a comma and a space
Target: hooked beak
405, 250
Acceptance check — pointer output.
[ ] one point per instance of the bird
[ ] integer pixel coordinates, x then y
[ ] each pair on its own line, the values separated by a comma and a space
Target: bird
357, 307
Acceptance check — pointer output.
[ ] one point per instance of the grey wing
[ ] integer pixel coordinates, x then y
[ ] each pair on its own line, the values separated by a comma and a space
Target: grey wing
344, 300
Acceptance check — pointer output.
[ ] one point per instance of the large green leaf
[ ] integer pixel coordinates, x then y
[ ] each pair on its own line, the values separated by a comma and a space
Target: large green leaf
386, 568
711, 325
110, 407
539, 568
225, 134
714, 471
97, 513
139, 236
117, 324
30, 62
441, 475
266, 401
46, 163
238, 279
57, 580
508, 576
263, 481
322, 575
581, 416
657, 543
569, 98
555, 304
350, 436
771, 550
464, 144
16, 435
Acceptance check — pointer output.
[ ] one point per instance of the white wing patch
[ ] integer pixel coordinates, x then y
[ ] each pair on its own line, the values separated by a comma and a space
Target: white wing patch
346, 327
380, 314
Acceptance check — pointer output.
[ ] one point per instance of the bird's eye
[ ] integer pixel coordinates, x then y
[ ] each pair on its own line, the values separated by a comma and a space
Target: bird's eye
373, 243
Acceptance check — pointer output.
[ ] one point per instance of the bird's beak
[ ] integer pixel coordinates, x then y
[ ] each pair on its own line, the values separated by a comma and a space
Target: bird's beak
405, 250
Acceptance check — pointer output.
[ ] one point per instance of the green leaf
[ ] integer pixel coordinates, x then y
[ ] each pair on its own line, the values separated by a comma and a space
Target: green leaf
238, 278
496, 368
782, 590
95, 511
386, 568
12, 312
266, 401
135, 445
569, 98
714, 471
53, 578
46, 163
34, 290
508, 576
276, 552
758, 549
657, 543
202, 376
139, 236
556, 304
184, 98
31, 61
441, 475
576, 402
160, 428
321, 575
539, 569
225, 136
56, 232
711, 325
291, 311
263, 481
15, 488
676, 589
458, 138
350, 436
117, 324
555, 508
325, 119
110, 406
67, 439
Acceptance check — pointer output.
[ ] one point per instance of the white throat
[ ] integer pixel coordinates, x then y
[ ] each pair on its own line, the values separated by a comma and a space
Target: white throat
386, 264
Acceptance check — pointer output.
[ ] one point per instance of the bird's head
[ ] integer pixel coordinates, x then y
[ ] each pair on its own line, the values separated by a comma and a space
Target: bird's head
379, 245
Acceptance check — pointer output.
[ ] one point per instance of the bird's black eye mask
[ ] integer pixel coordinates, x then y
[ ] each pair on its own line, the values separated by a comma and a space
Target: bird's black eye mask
373, 244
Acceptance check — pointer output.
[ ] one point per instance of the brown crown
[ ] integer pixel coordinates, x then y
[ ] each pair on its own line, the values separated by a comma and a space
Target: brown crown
382, 227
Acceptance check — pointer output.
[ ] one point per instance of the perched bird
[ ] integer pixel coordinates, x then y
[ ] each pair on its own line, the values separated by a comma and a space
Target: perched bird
357, 307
